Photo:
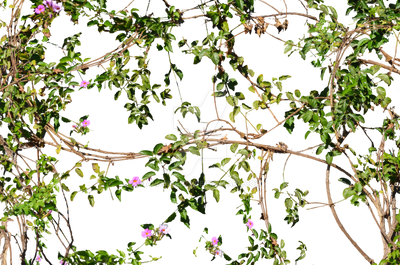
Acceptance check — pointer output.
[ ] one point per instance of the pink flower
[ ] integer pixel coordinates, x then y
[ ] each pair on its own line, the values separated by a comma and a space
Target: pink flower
50, 211
84, 83
250, 224
135, 181
146, 233
38, 258
74, 126
85, 123
214, 241
39, 9
63, 262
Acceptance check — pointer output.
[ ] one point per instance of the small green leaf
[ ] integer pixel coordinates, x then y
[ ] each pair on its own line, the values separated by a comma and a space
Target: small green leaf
91, 200
171, 137
73, 194
324, 9
329, 158
381, 91
386, 102
288, 47
194, 150
288, 203
157, 148
358, 187
146, 153
58, 149
385, 78
375, 69
225, 26
215, 57
307, 116
234, 147
79, 172
345, 181
259, 127
216, 194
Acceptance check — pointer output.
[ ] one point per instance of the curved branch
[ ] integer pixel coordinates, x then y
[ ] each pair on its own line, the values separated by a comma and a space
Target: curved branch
332, 206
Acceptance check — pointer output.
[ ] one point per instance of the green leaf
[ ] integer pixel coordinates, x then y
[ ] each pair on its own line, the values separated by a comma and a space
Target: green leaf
259, 126
381, 91
334, 13
95, 167
180, 186
91, 200
236, 178
179, 176
148, 175
194, 150
385, 78
398, 217
89, 6
234, 147
156, 182
184, 217
79, 172
288, 203
288, 47
216, 194
64, 187
307, 116
348, 192
146, 153
171, 137
324, 9
386, 102
215, 57
225, 161
345, 181
173, 197
171, 218
72, 195
329, 158
375, 69
358, 187
225, 26
157, 148
240, 4
58, 150
251, 257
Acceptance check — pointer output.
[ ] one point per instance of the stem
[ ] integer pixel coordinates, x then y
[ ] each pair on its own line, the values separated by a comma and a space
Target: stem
176, 80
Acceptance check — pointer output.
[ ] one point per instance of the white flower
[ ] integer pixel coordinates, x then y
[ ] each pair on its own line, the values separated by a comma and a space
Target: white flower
57, 7
164, 229
48, 3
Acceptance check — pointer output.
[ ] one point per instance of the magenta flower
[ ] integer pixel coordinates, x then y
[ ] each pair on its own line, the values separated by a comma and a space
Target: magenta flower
85, 123
74, 126
50, 15
250, 224
84, 83
63, 262
146, 233
214, 241
50, 211
39, 9
135, 181
38, 258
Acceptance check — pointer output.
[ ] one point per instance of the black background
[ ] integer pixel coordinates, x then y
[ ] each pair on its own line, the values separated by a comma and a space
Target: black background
112, 224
